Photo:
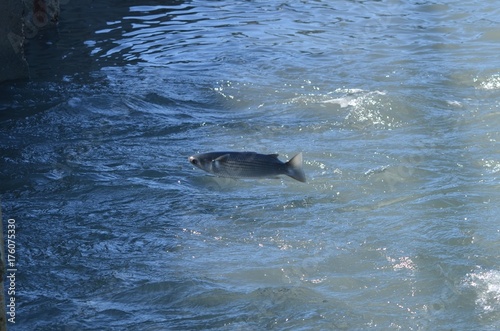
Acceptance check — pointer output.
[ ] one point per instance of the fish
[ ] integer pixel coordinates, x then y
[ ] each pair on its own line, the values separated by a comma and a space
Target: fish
248, 164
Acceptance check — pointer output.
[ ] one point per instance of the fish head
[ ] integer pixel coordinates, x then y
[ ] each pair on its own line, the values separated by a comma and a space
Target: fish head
210, 162
202, 161
196, 161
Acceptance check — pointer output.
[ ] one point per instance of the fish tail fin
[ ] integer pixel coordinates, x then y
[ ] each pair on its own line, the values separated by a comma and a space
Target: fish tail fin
294, 168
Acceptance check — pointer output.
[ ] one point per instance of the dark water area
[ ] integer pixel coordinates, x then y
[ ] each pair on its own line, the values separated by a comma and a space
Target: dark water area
395, 106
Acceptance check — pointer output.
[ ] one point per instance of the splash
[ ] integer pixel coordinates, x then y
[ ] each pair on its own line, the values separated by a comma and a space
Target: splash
492, 166
365, 108
487, 287
491, 83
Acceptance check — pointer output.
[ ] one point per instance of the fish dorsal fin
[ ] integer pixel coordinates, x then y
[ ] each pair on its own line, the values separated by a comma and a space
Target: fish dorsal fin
273, 155
222, 158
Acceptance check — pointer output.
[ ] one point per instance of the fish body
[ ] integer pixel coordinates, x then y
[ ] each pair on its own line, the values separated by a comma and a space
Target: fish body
248, 164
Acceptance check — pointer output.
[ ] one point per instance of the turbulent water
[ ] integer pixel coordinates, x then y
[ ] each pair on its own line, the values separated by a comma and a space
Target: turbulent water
395, 106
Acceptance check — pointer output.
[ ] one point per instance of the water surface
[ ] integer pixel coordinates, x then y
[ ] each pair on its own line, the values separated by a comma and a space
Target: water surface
395, 106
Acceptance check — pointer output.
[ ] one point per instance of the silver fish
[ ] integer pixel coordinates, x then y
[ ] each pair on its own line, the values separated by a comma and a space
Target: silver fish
248, 164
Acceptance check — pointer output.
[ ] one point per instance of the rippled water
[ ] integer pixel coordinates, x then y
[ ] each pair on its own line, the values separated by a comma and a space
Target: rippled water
394, 104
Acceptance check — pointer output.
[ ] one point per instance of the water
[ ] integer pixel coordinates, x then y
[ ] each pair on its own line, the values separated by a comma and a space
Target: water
395, 106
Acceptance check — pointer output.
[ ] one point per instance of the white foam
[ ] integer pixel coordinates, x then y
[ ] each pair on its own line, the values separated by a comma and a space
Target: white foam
491, 165
491, 83
487, 287
454, 103
343, 102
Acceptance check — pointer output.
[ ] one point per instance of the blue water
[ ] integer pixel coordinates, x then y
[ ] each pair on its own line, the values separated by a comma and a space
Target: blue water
395, 106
